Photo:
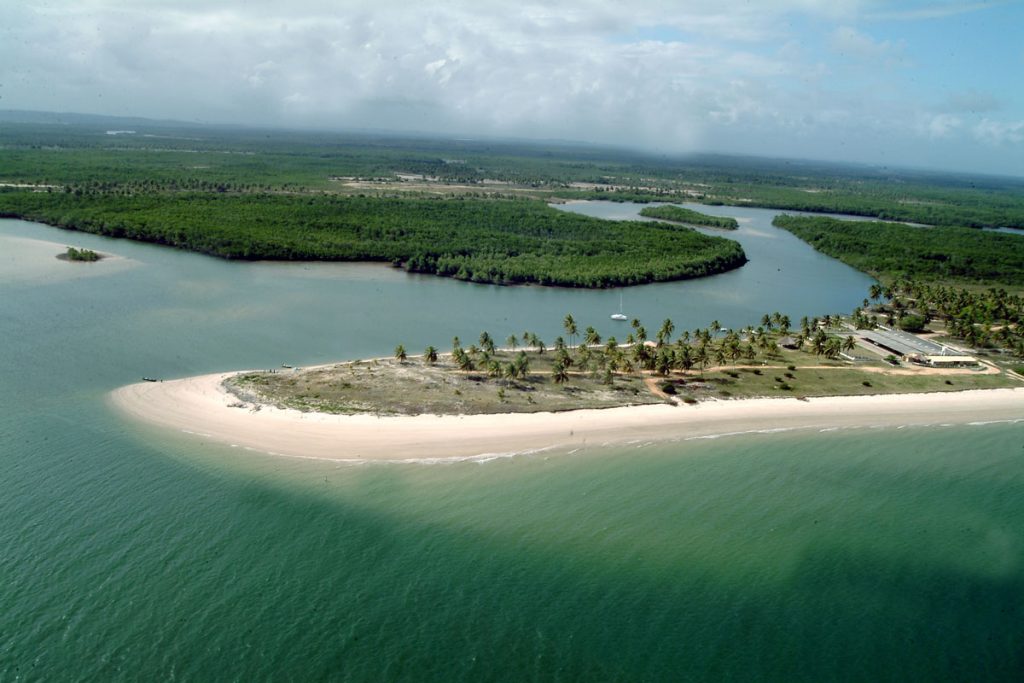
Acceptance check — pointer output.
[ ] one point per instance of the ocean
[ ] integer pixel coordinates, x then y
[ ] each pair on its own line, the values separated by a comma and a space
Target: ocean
134, 553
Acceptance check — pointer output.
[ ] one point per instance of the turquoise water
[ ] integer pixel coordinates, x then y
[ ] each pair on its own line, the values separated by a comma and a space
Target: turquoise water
130, 553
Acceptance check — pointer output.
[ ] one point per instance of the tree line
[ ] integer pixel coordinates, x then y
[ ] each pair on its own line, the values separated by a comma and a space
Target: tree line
892, 250
479, 240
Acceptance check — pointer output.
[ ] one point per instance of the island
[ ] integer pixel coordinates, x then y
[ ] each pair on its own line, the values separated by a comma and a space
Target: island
81, 255
483, 400
678, 214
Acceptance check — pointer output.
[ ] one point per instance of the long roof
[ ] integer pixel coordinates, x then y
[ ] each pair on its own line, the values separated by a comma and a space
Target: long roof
903, 343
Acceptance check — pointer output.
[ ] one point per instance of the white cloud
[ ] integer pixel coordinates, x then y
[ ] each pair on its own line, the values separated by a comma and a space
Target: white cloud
847, 41
657, 73
972, 101
941, 126
999, 133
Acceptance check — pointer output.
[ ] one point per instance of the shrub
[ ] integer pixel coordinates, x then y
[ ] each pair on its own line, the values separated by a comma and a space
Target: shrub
912, 323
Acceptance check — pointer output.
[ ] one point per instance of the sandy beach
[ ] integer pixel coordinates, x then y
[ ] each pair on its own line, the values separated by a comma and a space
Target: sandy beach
201, 406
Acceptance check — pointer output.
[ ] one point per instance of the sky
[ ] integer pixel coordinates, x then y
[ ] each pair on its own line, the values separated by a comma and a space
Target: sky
926, 84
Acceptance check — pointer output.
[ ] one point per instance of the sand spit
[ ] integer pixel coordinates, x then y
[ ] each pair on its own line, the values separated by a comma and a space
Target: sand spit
201, 405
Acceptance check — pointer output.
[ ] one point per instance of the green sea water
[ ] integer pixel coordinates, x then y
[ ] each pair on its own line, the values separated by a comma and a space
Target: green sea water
134, 553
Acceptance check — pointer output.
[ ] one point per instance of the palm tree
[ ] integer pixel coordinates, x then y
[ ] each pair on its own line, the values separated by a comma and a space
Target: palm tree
486, 343
569, 323
592, 337
400, 354
665, 333
559, 373
463, 360
684, 357
701, 357
512, 342
663, 362
522, 364
456, 344
819, 342
430, 355
849, 344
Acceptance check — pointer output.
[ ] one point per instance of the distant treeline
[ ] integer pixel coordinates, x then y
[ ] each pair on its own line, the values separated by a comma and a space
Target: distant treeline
495, 241
890, 250
678, 214
80, 156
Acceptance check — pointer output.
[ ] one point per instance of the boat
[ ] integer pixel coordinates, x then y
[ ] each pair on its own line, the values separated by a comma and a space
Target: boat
151, 379
620, 315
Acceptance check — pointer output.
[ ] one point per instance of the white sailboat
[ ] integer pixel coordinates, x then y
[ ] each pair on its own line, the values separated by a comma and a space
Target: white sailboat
620, 315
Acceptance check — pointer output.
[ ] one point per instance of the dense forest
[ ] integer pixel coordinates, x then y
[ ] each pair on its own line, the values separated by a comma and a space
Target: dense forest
81, 153
496, 241
679, 214
891, 250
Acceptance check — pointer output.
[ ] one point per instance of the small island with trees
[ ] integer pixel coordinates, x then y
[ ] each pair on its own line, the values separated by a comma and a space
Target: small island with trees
81, 255
678, 214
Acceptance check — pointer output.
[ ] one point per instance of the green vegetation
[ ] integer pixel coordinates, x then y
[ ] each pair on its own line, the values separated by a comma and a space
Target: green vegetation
679, 214
891, 250
66, 152
416, 386
496, 241
700, 364
73, 254
912, 323
991, 320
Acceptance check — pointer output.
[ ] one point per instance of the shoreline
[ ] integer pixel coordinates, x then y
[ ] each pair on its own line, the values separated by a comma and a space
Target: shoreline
200, 405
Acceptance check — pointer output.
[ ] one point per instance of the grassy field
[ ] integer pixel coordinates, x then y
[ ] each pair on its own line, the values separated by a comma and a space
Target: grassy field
413, 387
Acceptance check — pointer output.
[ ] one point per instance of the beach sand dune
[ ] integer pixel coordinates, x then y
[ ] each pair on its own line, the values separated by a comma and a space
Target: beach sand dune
201, 405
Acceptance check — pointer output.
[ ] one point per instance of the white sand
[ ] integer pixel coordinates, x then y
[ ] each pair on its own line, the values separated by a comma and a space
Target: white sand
202, 406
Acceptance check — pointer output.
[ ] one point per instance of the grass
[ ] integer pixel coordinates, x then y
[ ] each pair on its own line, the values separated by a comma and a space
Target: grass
413, 387
388, 387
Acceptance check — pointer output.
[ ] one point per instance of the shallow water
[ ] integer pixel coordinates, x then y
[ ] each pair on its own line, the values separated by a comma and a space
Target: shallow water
128, 552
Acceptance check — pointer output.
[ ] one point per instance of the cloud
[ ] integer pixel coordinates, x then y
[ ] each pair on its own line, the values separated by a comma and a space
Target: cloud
852, 43
661, 74
972, 101
941, 126
930, 10
999, 133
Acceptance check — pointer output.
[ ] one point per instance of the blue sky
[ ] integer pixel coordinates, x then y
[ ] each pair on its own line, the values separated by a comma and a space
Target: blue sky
921, 84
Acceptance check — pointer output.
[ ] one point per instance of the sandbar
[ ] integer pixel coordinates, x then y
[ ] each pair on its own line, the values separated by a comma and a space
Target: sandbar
202, 406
